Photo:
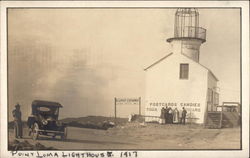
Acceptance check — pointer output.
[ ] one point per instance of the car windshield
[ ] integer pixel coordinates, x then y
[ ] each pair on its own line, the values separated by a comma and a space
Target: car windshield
44, 109
48, 111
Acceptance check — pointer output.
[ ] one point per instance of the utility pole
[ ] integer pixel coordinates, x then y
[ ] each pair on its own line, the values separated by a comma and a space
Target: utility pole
139, 105
115, 108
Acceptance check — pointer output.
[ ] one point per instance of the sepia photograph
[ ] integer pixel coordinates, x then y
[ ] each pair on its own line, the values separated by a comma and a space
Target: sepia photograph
123, 78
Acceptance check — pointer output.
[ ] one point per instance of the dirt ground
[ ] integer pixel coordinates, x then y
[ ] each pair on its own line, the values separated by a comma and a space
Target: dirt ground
142, 136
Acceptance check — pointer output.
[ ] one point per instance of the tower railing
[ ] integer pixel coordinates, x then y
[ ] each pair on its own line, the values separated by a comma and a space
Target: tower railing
191, 32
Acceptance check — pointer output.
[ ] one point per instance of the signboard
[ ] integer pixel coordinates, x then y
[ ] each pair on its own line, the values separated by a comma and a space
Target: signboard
128, 101
194, 109
155, 106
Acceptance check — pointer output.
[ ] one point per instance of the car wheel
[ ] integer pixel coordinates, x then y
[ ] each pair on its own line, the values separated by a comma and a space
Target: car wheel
35, 133
64, 135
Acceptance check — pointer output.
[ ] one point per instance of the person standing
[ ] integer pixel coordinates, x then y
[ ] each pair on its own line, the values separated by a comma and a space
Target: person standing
166, 115
183, 116
176, 116
170, 115
18, 129
162, 117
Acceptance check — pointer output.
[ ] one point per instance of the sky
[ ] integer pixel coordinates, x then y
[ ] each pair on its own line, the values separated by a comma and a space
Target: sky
84, 58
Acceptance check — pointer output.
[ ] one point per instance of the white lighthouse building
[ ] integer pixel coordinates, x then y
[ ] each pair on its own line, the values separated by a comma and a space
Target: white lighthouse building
178, 79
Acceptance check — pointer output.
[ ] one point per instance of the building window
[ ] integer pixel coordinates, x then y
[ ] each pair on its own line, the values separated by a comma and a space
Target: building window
212, 97
184, 68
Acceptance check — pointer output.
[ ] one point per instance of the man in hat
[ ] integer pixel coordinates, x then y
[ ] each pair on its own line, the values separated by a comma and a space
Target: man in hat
18, 129
183, 116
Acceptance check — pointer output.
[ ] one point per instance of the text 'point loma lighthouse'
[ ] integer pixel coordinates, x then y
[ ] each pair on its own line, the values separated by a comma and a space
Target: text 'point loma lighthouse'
178, 79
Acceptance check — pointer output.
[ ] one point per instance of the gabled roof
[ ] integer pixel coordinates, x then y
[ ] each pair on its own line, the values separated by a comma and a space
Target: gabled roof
158, 61
202, 66
213, 75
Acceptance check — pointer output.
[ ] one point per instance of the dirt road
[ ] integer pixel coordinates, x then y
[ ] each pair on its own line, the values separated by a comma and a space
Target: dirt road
148, 136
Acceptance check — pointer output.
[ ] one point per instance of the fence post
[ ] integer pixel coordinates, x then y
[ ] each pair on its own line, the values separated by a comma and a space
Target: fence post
221, 117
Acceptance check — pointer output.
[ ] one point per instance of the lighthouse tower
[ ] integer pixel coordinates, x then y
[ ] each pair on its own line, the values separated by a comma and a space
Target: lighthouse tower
178, 80
188, 36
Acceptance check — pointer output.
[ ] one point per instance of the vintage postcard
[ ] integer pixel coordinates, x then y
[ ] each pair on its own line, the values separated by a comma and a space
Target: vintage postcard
124, 79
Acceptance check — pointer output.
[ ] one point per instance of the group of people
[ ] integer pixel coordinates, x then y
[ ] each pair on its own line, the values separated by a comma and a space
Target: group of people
170, 116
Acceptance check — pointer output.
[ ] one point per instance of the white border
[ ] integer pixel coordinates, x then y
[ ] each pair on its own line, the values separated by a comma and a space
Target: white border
144, 154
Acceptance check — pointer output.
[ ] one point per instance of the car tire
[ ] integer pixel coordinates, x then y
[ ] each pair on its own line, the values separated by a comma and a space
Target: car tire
35, 133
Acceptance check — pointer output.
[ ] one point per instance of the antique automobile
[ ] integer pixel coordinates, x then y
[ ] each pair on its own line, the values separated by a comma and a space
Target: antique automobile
44, 120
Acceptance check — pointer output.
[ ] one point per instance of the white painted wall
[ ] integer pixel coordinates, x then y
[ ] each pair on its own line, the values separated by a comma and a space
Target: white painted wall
164, 86
212, 83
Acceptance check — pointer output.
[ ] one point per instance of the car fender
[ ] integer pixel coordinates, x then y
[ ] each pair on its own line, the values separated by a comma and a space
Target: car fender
31, 120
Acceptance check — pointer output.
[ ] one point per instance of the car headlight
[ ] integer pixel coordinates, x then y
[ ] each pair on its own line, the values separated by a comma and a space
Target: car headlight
45, 122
